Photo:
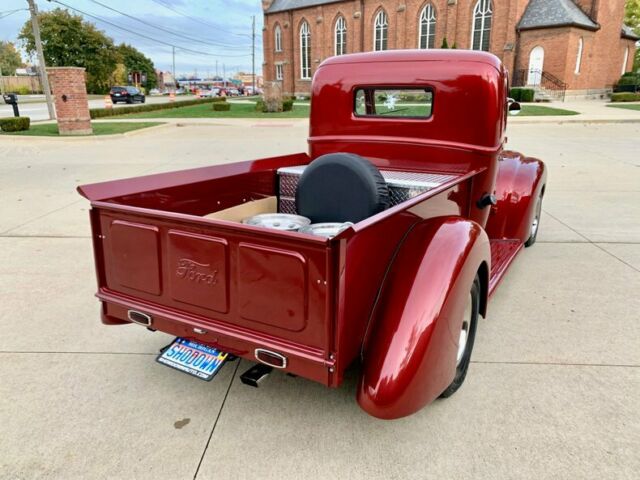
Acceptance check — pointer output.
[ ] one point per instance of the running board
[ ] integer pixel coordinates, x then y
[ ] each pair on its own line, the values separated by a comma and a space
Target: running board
502, 254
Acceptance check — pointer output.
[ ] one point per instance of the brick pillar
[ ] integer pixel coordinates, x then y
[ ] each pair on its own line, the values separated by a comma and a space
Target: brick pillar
72, 105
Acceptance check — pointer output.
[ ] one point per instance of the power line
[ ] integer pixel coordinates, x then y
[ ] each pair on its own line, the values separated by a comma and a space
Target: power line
166, 30
198, 20
184, 49
8, 13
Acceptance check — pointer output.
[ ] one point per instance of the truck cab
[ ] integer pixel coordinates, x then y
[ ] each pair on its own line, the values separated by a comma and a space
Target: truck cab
415, 140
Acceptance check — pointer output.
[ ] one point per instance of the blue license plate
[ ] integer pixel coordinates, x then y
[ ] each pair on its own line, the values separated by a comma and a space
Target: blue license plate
193, 358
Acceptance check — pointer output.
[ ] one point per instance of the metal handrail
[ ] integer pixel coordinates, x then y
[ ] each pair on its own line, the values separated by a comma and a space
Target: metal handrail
549, 82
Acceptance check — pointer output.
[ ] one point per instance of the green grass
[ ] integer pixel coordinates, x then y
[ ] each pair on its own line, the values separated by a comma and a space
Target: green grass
247, 110
238, 110
635, 106
541, 110
110, 128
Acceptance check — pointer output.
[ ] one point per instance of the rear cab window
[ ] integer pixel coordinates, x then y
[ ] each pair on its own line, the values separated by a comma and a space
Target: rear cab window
391, 102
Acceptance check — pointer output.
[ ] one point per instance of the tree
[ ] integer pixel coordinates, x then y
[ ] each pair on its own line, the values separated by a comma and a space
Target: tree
135, 61
9, 58
632, 18
632, 15
70, 41
445, 44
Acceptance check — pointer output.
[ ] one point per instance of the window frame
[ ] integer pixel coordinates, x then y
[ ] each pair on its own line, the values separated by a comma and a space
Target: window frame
384, 30
483, 9
430, 21
305, 50
340, 36
372, 88
580, 52
279, 71
626, 59
277, 38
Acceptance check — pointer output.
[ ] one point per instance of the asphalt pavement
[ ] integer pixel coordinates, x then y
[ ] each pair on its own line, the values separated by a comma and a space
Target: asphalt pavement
552, 390
37, 110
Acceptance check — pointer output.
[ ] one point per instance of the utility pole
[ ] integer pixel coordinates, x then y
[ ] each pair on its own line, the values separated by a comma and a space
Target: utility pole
175, 80
253, 55
44, 79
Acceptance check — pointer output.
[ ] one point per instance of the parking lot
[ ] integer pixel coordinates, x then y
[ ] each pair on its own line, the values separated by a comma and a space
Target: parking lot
552, 391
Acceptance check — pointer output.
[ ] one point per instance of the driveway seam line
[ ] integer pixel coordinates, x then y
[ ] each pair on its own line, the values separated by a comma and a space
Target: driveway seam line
557, 364
215, 423
593, 243
44, 352
41, 217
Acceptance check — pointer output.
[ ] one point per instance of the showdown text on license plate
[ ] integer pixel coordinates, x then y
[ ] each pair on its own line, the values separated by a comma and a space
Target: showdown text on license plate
190, 357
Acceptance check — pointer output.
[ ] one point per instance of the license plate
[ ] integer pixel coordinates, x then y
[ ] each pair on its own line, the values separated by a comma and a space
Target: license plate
193, 358
116, 95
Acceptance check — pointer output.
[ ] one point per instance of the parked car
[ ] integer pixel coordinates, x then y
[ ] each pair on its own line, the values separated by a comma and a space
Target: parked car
155, 91
427, 212
126, 95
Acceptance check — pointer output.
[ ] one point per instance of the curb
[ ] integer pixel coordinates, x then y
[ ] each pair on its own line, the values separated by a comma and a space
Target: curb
81, 138
576, 121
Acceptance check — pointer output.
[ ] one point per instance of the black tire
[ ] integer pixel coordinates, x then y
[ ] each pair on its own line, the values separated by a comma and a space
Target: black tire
463, 365
341, 187
143, 100
535, 224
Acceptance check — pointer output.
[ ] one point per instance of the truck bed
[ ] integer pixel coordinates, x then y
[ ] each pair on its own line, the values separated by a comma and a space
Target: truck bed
162, 264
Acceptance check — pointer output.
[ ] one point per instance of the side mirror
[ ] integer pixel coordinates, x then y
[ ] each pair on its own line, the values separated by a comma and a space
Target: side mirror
513, 107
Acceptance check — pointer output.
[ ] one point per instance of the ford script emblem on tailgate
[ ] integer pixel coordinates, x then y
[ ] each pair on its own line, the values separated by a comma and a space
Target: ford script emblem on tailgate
196, 272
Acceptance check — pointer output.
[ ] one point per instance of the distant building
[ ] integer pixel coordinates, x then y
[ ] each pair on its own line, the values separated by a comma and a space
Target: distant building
580, 44
165, 80
247, 79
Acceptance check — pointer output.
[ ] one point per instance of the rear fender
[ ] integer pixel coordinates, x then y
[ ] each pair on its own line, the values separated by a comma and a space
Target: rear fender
519, 183
409, 352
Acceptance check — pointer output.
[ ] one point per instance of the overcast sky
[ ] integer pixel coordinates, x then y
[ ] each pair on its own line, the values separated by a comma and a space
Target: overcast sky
214, 23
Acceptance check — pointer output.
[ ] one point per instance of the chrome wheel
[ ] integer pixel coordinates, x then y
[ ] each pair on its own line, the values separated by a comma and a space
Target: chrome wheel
465, 330
536, 218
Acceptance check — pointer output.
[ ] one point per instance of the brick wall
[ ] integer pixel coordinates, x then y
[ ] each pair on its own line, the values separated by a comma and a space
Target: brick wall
602, 57
68, 85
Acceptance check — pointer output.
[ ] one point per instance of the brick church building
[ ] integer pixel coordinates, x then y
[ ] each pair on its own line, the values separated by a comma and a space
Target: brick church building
581, 46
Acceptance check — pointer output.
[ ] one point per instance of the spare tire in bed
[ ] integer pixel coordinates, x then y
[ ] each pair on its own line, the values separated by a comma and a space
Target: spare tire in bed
341, 187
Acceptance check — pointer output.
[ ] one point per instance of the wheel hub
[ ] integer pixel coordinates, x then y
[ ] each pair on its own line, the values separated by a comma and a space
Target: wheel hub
465, 330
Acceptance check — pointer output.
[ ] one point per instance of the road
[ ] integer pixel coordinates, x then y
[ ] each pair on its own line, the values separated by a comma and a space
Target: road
38, 110
551, 393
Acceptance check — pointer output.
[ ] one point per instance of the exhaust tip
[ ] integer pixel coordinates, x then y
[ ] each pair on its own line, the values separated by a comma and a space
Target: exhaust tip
255, 375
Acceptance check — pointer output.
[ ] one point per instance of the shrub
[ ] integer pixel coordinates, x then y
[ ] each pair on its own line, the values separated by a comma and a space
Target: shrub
221, 106
261, 106
515, 93
149, 107
629, 78
625, 97
15, 124
527, 95
23, 90
287, 105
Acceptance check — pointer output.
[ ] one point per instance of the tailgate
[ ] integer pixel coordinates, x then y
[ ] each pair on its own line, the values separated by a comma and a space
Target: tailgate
233, 286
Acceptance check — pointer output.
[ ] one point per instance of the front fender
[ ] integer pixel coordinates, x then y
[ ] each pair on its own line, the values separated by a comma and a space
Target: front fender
410, 348
519, 183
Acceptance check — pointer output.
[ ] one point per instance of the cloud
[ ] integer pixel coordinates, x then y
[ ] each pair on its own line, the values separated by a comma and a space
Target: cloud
220, 28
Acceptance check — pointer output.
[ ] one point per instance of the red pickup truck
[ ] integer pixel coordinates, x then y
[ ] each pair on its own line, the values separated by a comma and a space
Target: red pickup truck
406, 157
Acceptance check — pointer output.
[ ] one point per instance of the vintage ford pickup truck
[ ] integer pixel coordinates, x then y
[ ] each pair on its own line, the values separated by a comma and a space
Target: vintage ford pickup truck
406, 153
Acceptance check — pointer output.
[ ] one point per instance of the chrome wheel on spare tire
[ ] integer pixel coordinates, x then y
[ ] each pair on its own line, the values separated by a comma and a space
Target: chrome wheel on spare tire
466, 338
535, 223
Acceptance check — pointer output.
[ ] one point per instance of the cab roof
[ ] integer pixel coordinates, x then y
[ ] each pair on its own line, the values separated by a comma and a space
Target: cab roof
430, 55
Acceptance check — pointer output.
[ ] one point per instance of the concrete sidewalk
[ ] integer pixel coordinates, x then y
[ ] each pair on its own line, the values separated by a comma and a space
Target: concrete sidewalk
551, 393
